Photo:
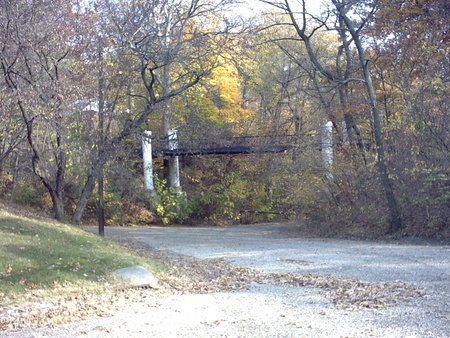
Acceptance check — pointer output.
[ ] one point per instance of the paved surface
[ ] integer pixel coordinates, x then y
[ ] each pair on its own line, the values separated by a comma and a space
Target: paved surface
275, 248
276, 311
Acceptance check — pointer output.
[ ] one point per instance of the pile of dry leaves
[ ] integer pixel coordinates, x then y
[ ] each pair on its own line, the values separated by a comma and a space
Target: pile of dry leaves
185, 275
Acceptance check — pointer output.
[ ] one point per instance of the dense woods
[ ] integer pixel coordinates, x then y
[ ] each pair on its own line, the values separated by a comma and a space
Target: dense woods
356, 92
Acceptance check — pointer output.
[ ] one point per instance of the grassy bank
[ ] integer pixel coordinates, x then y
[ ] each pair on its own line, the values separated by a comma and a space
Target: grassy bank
38, 255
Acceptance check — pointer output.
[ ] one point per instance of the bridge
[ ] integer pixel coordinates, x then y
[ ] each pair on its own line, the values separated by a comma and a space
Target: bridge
174, 147
223, 146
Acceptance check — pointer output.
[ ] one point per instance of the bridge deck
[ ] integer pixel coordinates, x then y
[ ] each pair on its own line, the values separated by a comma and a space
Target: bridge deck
225, 146
225, 150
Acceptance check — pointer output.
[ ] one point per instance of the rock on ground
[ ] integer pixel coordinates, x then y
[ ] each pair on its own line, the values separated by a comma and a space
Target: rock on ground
137, 276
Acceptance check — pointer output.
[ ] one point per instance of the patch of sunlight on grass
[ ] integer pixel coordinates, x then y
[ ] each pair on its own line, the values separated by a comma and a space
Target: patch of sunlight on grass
39, 254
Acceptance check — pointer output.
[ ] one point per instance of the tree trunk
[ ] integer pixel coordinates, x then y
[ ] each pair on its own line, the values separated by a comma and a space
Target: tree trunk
381, 161
395, 220
101, 206
352, 128
101, 144
85, 195
56, 193
58, 206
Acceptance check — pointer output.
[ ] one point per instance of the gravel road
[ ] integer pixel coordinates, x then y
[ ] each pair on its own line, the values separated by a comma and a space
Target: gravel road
281, 311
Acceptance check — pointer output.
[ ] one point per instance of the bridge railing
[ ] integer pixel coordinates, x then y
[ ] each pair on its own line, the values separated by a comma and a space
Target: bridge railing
228, 145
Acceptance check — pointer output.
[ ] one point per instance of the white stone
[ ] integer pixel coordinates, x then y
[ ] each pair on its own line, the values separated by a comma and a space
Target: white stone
137, 276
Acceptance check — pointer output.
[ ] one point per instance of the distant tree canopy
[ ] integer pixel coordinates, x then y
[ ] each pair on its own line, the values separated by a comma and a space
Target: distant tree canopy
82, 80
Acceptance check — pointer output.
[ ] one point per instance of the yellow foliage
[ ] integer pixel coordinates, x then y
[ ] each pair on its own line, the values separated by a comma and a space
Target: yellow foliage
226, 89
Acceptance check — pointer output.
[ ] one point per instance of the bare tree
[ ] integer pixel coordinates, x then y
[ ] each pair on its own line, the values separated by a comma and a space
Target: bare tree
306, 25
172, 45
34, 59
344, 9
309, 28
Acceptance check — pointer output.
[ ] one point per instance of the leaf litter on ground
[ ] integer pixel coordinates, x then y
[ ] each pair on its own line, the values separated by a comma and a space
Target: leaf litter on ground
188, 275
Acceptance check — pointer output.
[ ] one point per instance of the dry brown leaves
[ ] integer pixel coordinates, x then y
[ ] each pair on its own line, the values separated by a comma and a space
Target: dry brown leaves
190, 275
185, 275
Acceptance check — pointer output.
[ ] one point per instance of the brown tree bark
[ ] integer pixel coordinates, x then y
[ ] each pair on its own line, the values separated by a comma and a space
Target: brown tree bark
56, 189
395, 220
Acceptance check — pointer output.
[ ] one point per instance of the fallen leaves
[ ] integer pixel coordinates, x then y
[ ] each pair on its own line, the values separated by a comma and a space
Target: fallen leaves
190, 275
57, 311
356, 294
186, 275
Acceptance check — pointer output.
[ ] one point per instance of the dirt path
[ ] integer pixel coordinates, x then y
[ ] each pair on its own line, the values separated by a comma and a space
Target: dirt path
273, 306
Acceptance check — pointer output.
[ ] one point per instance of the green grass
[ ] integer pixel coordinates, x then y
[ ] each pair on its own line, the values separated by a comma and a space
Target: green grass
41, 254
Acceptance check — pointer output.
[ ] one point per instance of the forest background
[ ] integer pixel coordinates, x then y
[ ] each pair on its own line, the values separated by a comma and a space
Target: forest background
82, 80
